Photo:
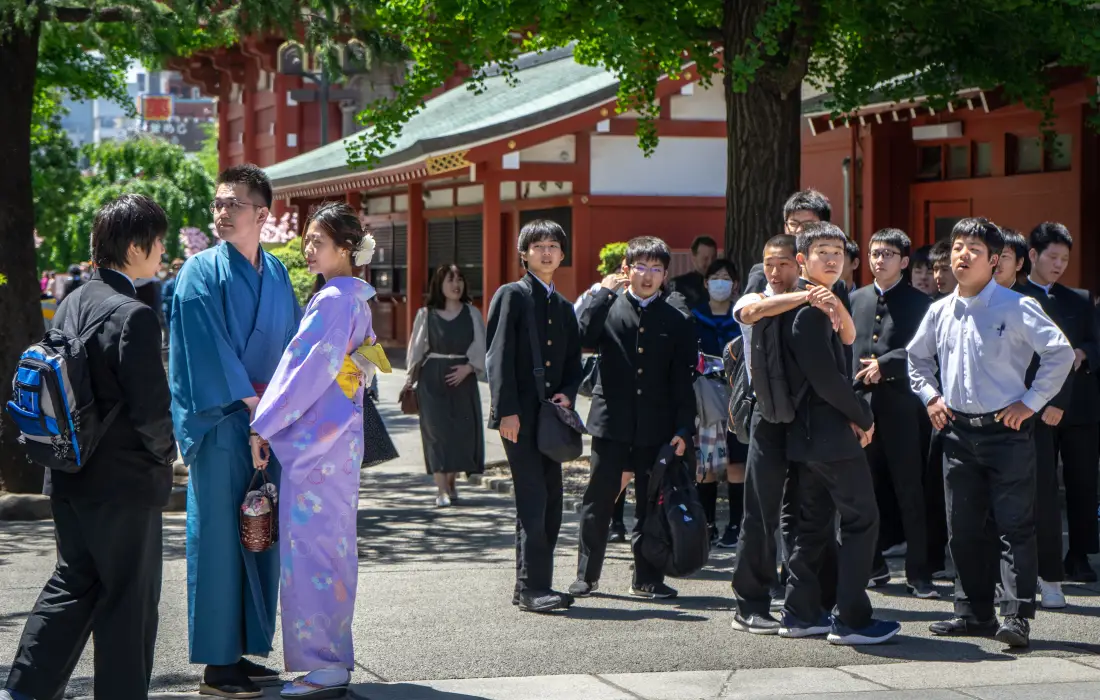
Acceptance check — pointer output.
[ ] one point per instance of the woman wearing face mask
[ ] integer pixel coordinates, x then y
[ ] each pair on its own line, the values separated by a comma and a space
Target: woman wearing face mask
716, 328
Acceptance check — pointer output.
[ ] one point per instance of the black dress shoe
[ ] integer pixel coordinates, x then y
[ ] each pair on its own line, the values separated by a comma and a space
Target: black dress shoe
1078, 570
228, 682
879, 577
539, 601
1015, 631
261, 675
582, 589
962, 627
618, 533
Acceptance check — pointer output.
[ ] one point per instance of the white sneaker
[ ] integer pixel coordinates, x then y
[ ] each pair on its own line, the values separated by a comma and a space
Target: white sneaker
442, 501
1052, 596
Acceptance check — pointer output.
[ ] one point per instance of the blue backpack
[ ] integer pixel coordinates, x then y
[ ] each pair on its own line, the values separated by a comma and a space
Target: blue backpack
52, 403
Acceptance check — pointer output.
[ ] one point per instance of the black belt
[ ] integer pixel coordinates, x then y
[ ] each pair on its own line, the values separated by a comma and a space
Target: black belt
977, 420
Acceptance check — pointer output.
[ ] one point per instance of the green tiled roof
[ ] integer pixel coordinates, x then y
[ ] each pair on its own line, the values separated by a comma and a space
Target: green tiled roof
550, 86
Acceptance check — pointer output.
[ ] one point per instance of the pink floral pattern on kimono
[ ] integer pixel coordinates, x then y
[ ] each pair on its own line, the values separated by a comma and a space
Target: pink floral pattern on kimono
316, 432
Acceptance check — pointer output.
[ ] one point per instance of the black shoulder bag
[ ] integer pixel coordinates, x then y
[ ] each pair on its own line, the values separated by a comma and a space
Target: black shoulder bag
559, 429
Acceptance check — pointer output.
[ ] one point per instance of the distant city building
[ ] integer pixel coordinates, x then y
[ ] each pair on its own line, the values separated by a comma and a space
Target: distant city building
166, 107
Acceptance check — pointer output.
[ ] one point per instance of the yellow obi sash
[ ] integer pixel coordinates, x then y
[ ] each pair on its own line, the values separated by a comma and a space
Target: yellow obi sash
351, 374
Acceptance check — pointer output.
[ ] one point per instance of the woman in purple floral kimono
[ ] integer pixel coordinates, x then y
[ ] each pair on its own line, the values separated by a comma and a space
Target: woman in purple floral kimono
311, 417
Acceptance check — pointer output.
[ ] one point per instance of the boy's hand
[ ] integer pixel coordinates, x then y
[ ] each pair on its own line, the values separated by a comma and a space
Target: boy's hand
680, 445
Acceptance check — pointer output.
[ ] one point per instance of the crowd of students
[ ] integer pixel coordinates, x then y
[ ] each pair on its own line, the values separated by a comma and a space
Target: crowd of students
932, 409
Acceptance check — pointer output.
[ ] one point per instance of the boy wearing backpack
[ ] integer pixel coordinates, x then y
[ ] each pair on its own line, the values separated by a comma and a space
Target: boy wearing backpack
825, 442
106, 506
644, 400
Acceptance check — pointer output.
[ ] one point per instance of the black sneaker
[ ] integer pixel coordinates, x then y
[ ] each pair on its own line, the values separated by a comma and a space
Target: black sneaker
879, 577
1078, 570
261, 675
618, 533
228, 682
962, 627
730, 537
922, 589
567, 599
1015, 631
539, 601
582, 589
756, 624
652, 590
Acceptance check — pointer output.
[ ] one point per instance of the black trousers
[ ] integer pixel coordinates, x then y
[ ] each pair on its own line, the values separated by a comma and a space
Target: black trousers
895, 457
537, 484
1048, 507
771, 493
107, 582
991, 469
826, 490
609, 460
935, 500
1077, 445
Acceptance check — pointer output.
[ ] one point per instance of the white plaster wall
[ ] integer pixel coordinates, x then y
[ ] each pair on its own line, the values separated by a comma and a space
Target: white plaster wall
471, 195
378, 205
507, 191
680, 167
401, 202
704, 105
552, 151
440, 199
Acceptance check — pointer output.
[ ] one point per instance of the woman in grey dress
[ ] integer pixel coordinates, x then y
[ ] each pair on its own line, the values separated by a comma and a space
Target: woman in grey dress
446, 358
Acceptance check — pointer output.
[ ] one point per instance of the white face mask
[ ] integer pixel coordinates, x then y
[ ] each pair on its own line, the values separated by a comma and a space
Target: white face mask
162, 274
720, 290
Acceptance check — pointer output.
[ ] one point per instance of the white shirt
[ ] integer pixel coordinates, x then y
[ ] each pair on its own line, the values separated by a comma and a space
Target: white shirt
642, 302
1044, 287
746, 328
986, 344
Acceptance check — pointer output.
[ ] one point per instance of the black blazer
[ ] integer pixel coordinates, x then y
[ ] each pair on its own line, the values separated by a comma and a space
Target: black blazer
509, 362
645, 394
133, 462
884, 326
815, 359
1073, 311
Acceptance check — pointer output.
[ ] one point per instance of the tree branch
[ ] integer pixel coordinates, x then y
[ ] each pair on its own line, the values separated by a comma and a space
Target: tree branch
76, 15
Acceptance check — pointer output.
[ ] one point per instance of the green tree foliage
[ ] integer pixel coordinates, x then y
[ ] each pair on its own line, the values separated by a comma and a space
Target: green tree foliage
208, 154
149, 166
290, 253
611, 258
57, 181
761, 50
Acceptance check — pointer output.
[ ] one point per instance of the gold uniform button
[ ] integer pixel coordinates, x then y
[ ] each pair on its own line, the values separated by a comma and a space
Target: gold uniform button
548, 363
641, 330
547, 385
639, 370
878, 318
874, 338
641, 351
549, 342
639, 392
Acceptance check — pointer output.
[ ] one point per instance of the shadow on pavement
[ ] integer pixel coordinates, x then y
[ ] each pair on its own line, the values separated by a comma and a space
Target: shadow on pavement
404, 691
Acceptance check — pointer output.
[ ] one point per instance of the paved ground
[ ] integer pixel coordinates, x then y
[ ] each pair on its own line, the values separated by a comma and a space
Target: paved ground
435, 585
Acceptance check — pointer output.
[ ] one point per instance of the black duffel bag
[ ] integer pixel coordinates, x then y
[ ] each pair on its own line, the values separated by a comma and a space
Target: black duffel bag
675, 538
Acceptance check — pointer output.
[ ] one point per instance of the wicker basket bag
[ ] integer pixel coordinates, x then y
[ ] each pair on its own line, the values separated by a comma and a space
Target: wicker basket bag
259, 521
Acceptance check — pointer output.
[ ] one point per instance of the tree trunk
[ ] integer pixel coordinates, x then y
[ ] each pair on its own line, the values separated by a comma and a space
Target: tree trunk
763, 133
19, 296
763, 167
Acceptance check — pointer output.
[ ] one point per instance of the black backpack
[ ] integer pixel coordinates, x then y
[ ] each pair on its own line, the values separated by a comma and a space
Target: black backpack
775, 399
52, 403
675, 538
741, 396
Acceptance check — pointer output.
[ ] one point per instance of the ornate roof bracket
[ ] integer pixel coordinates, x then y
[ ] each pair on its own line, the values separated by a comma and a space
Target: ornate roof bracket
447, 162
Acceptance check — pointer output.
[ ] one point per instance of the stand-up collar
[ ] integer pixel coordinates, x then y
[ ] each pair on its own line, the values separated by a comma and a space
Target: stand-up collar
115, 280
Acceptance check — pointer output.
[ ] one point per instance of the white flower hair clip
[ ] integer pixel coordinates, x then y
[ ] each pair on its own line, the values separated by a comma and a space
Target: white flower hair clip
365, 252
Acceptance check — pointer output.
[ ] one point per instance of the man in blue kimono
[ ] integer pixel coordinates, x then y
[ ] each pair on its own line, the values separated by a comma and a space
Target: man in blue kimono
233, 314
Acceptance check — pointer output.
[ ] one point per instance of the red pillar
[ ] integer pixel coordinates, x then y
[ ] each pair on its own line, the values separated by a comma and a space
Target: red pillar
417, 255
492, 243
248, 102
354, 199
585, 255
